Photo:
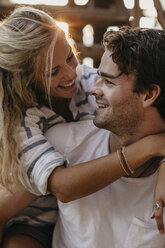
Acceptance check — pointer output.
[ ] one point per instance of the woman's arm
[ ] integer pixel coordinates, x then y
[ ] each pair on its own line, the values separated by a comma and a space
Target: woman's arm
13, 203
94, 175
88, 177
159, 197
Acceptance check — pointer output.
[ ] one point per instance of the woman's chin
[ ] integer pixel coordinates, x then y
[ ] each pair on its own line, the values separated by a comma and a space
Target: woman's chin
67, 92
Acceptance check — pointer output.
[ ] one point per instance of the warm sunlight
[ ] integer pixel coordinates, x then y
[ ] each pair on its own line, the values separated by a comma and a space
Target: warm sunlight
149, 19
50, 2
64, 26
81, 2
129, 4
88, 35
47, 2
88, 61
149, 11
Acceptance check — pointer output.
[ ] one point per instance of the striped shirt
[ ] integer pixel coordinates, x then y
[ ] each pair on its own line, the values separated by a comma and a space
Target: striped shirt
39, 155
41, 158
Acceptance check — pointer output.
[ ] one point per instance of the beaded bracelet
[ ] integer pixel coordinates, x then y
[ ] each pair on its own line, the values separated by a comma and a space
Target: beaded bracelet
129, 168
123, 162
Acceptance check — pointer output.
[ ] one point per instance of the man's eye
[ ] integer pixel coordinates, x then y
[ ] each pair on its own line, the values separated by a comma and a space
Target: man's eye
107, 82
70, 57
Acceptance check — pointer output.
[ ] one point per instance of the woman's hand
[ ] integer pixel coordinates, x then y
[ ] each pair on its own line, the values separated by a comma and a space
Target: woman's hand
159, 199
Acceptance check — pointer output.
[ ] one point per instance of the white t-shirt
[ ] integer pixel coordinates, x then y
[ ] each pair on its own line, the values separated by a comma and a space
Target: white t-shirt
117, 216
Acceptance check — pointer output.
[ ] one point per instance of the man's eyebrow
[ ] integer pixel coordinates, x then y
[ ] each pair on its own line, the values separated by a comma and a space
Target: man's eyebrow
104, 74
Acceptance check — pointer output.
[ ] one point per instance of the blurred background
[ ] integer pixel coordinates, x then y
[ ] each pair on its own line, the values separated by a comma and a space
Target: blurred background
87, 20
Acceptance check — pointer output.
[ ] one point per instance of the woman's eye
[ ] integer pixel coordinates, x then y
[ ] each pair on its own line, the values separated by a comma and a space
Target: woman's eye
54, 72
70, 57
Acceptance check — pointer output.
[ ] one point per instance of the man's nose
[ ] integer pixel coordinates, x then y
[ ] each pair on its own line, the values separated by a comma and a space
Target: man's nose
96, 89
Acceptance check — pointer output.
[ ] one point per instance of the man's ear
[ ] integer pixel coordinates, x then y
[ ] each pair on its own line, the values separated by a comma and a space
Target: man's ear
151, 95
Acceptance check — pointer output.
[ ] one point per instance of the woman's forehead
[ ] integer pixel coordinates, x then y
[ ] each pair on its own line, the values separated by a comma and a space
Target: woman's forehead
61, 50
62, 42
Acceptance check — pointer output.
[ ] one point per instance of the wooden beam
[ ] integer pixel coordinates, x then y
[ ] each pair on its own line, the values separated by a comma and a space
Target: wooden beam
95, 51
136, 12
160, 12
79, 16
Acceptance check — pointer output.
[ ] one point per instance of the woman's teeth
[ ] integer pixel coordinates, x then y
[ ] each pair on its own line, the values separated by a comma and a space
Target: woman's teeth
66, 85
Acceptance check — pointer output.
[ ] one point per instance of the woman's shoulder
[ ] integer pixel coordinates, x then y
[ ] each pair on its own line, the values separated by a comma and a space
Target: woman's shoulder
38, 110
84, 71
40, 116
86, 76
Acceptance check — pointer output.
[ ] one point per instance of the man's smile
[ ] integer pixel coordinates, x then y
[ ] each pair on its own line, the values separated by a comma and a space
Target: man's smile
102, 105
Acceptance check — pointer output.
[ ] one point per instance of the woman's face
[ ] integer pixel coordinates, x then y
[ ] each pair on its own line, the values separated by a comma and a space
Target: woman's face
63, 73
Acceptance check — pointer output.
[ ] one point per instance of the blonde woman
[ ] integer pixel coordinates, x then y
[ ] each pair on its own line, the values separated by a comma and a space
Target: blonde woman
39, 87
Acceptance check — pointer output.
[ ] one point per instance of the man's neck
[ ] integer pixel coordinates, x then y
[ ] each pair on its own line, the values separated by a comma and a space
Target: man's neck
150, 166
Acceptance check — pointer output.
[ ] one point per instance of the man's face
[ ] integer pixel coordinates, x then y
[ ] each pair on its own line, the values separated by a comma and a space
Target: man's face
119, 108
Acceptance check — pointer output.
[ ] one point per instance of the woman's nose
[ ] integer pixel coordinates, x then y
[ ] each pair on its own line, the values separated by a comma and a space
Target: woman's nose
70, 72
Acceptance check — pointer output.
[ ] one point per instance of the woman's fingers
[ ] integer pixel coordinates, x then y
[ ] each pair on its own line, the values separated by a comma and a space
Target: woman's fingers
158, 215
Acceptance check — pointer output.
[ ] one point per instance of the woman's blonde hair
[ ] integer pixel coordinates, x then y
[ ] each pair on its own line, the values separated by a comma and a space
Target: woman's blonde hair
27, 39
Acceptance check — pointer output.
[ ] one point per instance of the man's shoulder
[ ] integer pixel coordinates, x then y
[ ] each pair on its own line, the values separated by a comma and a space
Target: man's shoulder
71, 128
75, 134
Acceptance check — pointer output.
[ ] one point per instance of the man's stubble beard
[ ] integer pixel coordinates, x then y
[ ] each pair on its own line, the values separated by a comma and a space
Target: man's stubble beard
123, 121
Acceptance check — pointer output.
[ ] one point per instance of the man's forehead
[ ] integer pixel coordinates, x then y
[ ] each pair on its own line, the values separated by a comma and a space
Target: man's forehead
107, 67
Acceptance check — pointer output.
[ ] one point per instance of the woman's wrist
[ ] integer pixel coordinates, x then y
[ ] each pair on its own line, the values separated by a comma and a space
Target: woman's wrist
140, 152
149, 145
155, 145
